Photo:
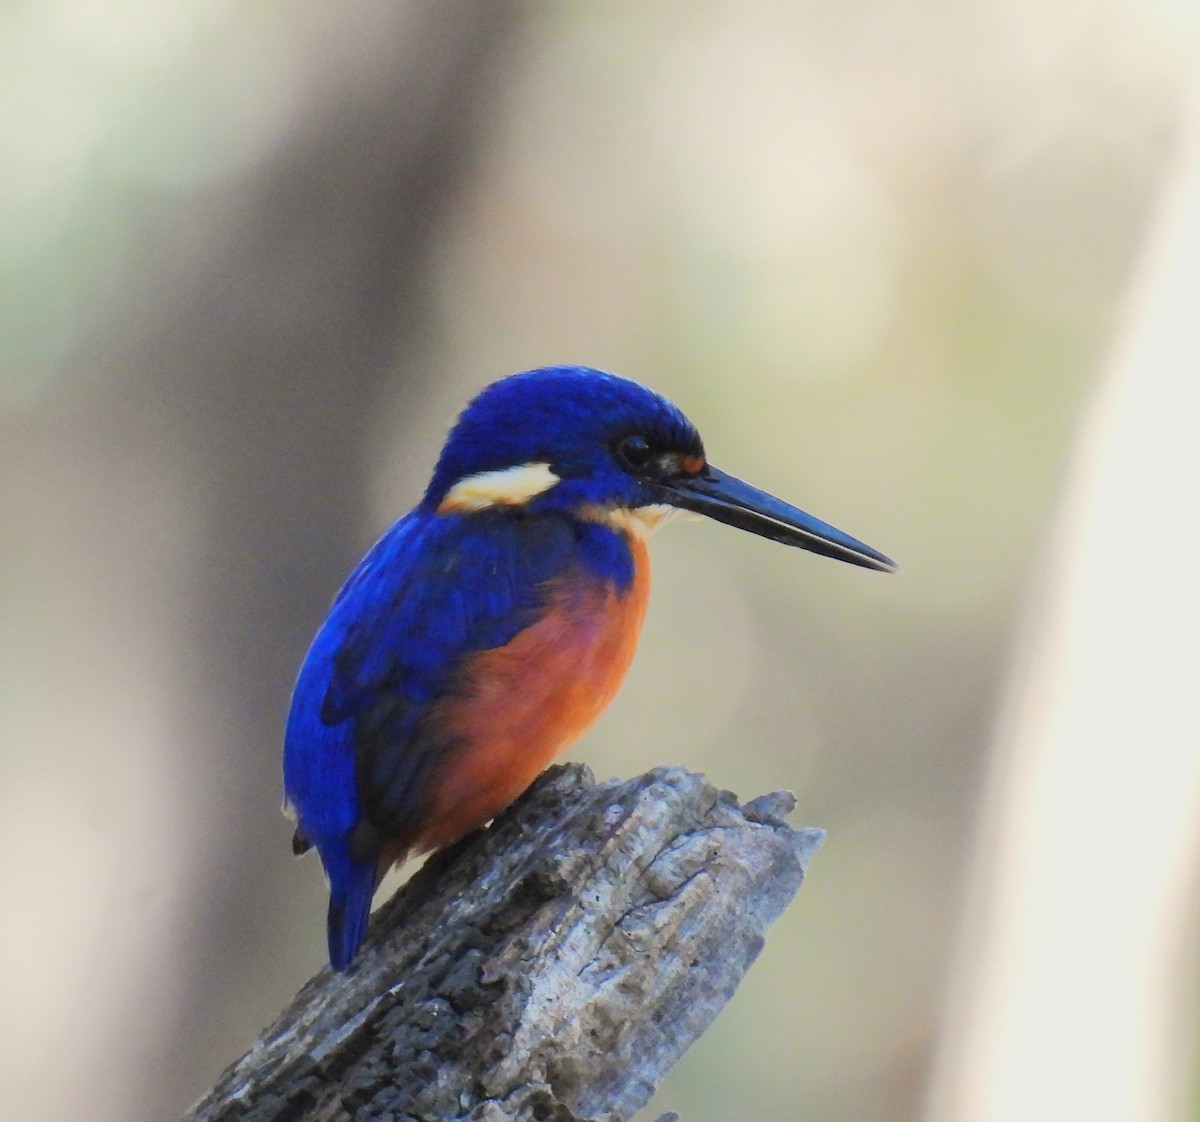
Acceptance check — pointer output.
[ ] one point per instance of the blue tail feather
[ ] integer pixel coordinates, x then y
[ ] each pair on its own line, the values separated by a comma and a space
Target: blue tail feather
351, 887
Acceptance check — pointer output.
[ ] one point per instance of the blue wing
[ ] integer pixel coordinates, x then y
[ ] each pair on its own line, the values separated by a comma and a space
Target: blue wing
358, 756
433, 590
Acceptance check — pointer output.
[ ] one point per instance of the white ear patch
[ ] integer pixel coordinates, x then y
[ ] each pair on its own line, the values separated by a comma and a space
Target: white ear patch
507, 487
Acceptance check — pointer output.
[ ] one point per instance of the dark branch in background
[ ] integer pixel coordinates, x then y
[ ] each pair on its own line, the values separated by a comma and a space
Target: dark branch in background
551, 968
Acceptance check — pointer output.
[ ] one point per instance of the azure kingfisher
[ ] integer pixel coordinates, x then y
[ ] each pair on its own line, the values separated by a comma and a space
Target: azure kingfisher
489, 627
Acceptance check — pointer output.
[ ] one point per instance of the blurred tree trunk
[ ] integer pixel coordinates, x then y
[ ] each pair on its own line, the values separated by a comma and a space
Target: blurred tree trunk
221, 450
1075, 977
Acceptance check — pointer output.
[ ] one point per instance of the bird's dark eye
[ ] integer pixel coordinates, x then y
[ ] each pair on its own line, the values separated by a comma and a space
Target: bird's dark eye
634, 452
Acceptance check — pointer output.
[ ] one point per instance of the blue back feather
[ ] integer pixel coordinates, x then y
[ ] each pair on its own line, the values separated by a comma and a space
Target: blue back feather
431, 592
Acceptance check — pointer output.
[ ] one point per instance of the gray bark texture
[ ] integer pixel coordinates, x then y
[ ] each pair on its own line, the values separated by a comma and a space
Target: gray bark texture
550, 968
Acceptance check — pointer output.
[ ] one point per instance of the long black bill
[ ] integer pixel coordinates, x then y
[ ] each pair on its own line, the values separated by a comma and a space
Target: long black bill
729, 500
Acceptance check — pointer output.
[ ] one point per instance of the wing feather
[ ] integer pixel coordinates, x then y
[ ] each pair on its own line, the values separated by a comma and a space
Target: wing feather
432, 591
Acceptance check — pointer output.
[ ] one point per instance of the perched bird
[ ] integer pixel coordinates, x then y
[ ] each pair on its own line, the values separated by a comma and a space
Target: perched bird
490, 626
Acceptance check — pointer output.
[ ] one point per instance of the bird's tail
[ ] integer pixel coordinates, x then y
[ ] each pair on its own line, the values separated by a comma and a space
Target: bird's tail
351, 886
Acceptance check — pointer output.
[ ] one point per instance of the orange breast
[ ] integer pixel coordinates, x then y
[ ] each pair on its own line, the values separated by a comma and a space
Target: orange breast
526, 702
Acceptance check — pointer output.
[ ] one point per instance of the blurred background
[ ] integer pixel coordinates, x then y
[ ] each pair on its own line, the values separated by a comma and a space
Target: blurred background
254, 256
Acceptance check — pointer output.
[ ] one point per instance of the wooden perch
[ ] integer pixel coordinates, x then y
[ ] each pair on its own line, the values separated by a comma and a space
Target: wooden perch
549, 969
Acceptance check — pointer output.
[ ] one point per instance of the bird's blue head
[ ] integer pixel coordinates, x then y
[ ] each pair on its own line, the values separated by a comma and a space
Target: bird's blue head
599, 447
564, 437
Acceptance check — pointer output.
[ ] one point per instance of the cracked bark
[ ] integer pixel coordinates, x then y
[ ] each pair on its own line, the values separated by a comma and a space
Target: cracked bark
550, 968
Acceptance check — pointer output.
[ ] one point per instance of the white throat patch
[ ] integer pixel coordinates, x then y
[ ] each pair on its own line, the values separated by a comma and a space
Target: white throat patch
512, 486
641, 521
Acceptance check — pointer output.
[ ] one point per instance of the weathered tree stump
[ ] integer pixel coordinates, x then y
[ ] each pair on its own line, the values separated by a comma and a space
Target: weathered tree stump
550, 968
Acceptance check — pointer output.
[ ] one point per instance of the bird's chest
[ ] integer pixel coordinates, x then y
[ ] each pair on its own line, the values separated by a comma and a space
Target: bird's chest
518, 706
